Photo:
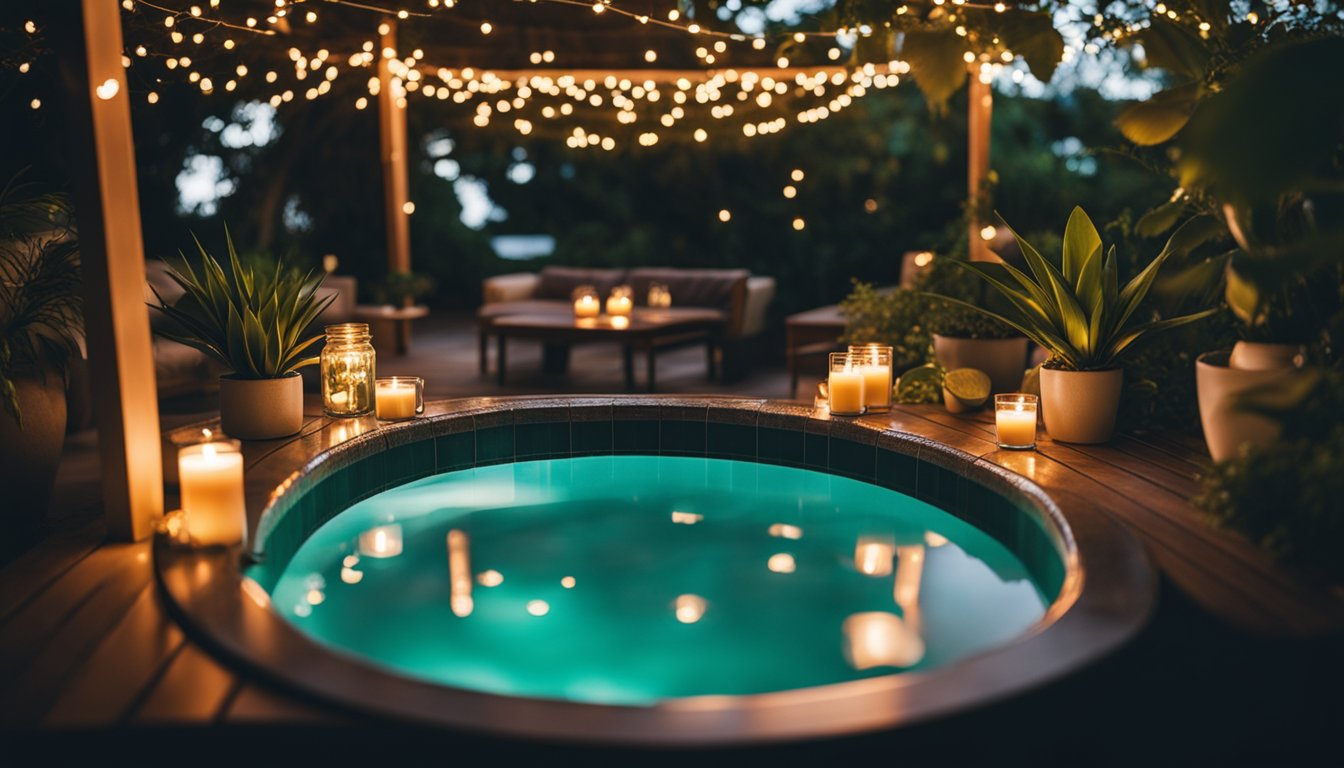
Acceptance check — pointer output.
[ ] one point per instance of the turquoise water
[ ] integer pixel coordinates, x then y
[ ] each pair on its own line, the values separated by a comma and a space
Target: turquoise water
630, 579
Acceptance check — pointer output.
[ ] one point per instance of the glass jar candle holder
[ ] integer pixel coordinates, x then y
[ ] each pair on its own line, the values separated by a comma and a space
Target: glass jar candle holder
587, 302
1015, 420
347, 370
875, 367
398, 398
659, 296
210, 478
621, 302
844, 385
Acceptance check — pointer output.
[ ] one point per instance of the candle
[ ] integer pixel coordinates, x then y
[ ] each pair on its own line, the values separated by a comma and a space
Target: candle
844, 386
210, 475
382, 541
398, 397
876, 386
587, 306
619, 306
1015, 420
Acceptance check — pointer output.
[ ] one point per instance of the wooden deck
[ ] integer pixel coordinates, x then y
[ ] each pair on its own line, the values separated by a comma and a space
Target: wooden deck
86, 642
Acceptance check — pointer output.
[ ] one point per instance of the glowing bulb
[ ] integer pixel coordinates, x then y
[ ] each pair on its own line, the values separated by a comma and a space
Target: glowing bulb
797, 174
650, 56
790, 192
798, 224
486, 27
988, 232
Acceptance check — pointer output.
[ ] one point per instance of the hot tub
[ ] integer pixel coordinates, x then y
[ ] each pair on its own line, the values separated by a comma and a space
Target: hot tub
658, 571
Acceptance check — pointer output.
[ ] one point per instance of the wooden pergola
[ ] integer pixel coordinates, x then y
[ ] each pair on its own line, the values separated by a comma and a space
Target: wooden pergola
89, 45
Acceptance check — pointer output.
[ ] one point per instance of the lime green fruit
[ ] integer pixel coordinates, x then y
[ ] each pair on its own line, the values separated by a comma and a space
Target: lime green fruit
965, 389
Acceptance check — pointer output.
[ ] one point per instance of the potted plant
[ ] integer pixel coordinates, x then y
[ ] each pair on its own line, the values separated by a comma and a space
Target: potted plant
1079, 313
41, 324
255, 322
402, 289
964, 338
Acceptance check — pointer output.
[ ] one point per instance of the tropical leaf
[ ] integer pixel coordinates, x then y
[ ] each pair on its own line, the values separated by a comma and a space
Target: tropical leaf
1159, 118
1034, 38
936, 63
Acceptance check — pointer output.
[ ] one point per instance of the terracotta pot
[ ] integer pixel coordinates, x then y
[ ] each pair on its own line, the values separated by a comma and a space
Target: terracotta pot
261, 409
1004, 360
30, 456
1080, 406
1257, 356
1226, 427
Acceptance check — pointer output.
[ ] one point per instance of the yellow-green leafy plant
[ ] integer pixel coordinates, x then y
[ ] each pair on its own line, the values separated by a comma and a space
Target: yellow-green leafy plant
252, 320
1075, 307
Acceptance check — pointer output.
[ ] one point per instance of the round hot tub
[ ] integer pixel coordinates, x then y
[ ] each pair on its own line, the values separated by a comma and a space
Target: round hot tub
644, 572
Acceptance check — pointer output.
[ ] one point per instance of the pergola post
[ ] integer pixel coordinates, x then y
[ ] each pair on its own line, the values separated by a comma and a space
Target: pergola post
396, 184
980, 108
107, 204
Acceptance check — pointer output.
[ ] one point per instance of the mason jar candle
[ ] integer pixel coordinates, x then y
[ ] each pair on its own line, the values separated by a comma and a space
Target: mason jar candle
621, 301
347, 370
587, 303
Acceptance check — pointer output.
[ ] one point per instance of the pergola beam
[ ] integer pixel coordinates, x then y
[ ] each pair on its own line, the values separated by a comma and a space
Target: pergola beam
979, 111
107, 205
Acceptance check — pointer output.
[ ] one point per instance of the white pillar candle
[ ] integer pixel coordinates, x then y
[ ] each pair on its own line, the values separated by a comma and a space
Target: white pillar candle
395, 400
876, 386
211, 479
846, 391
1016, 427
587, 306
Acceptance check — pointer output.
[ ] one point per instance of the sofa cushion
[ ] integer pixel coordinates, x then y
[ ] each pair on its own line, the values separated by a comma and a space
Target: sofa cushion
714, 288
558, 283
525, 307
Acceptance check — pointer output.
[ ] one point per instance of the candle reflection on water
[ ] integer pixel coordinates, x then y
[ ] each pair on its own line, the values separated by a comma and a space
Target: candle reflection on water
383, 541
873, 554
459, 574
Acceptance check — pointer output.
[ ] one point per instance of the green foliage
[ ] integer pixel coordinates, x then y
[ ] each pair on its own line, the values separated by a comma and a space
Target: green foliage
1076, 308
402, 288
894, 317
921, 384
1286, 495
945, 318
41, 314
251, 320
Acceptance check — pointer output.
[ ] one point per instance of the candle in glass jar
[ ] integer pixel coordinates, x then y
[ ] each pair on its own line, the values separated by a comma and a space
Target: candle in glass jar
395, 400
211, 479
876, 386
844, 386
587, 306
1015, 420
619, 306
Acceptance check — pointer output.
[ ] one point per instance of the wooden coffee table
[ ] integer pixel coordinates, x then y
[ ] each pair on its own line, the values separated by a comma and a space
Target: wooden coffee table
648, 330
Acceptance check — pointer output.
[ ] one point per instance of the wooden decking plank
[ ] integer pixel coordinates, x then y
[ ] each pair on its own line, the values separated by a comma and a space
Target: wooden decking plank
45, 672
191, 691
1180, 462
257, 704
22, 636
106, 686
37, 568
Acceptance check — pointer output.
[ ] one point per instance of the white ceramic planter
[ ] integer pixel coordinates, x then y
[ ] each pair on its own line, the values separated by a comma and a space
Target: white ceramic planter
1005, 360
1226, 427
261, 409
1080, 406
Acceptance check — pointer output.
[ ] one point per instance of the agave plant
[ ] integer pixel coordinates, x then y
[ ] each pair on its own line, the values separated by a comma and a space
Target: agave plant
250, 320
41, 313
1077, 310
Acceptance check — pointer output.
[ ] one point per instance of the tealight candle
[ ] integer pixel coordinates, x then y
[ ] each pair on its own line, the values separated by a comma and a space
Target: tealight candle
210, 476
587, 306
844, 385
620, 303
1015, 420
397, 398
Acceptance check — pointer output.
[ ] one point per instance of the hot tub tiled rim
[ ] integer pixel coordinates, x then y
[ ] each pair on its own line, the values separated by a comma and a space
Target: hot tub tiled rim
284, 509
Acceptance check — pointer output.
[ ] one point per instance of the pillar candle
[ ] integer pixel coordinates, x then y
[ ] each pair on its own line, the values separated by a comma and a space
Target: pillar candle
211, 479
1016, 427
395, 401
876, 385
846, 391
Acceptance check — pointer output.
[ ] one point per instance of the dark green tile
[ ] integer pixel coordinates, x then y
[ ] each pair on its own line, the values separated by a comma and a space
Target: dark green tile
731, 441
895, 471
935, 485
408, 462
816, 454
589, 438
366, 477
635, 436
454, 452
852, 459
541, 440
681, 438
494, 445
780, 446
